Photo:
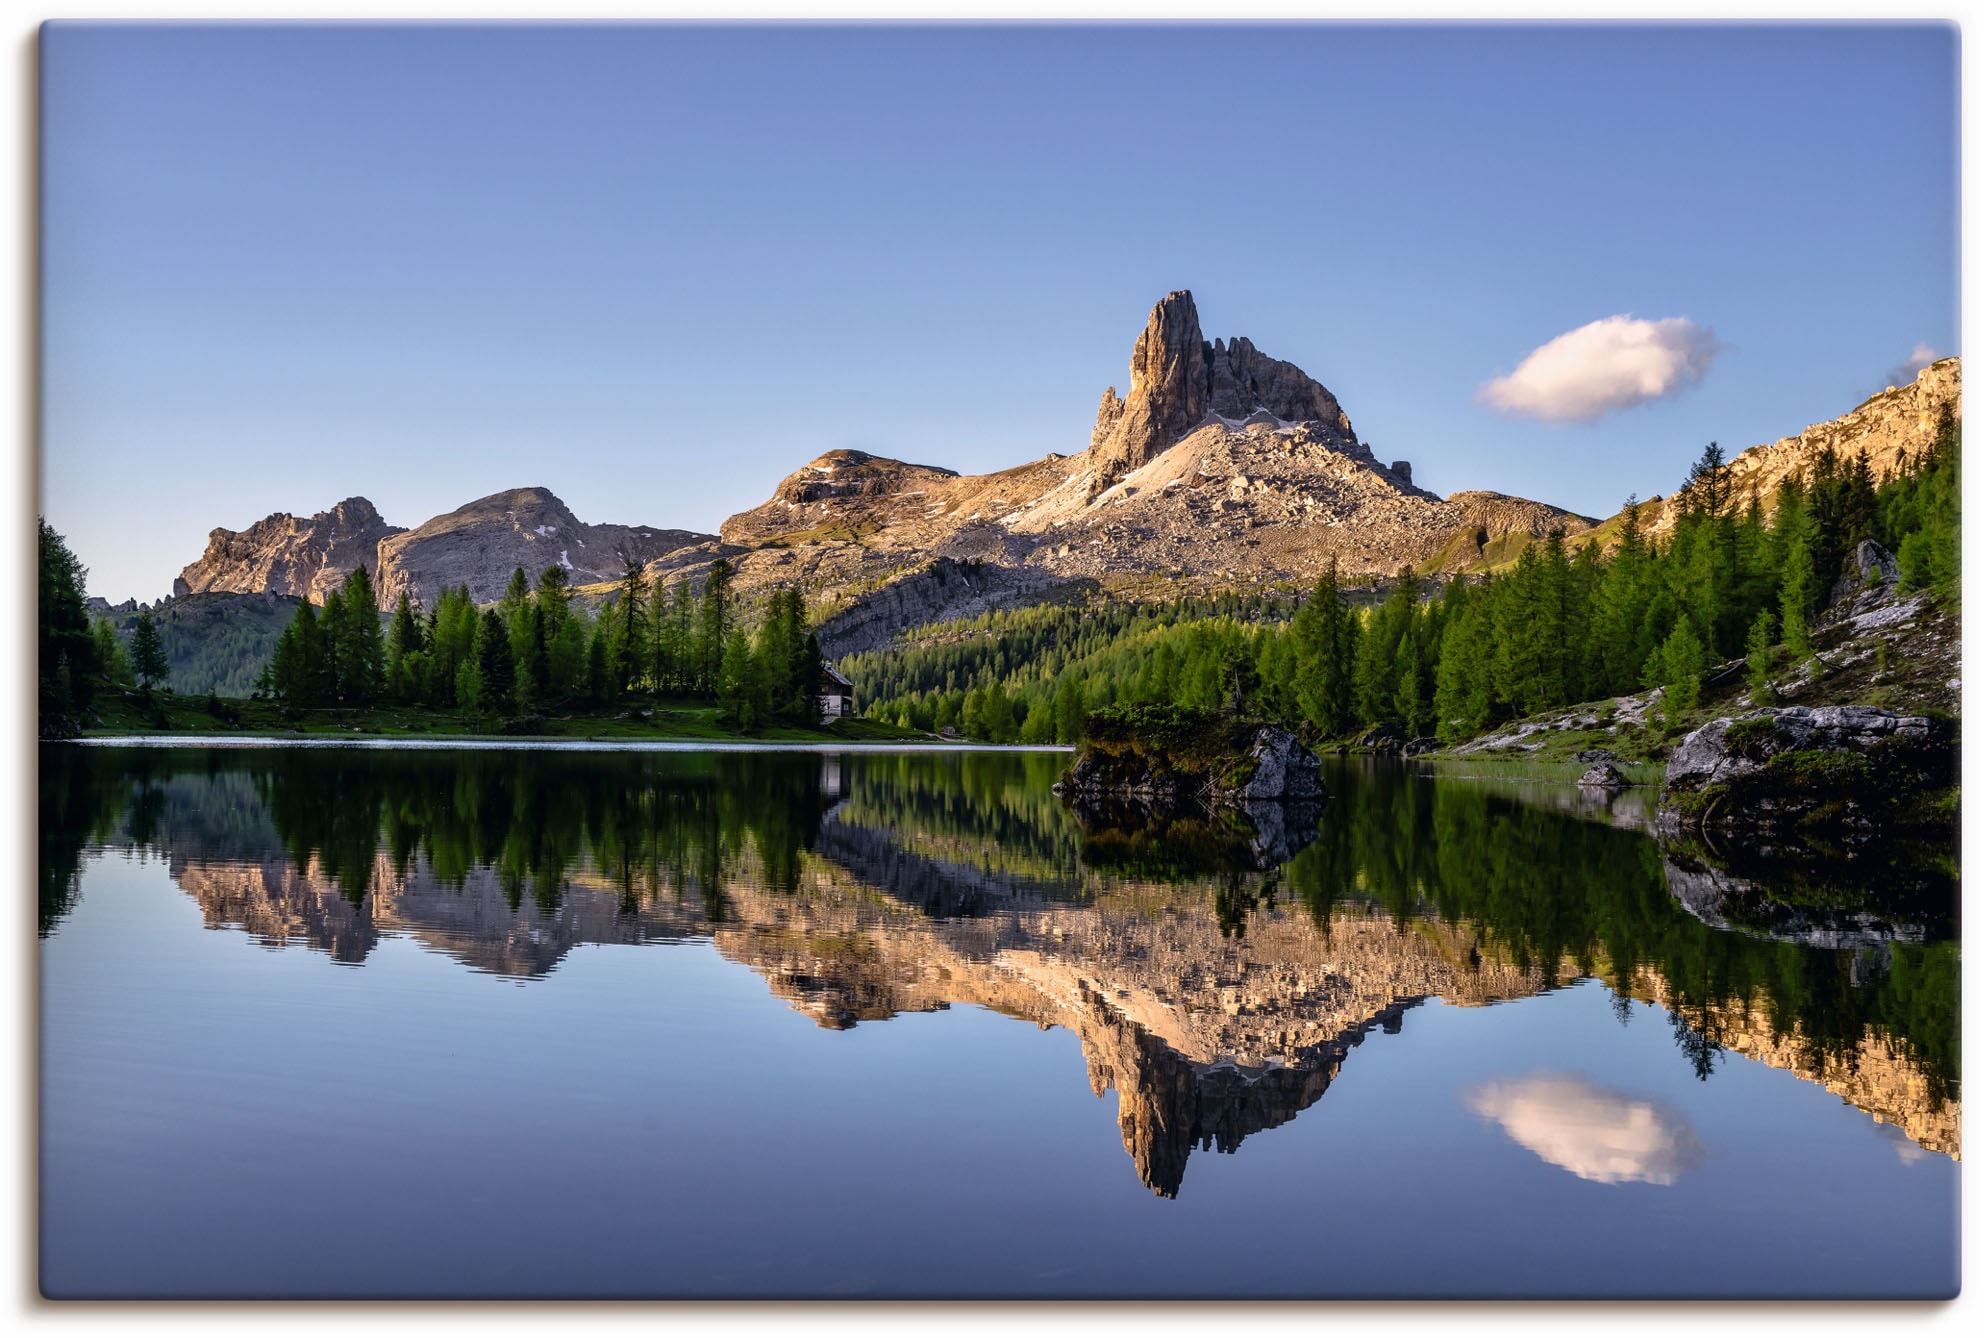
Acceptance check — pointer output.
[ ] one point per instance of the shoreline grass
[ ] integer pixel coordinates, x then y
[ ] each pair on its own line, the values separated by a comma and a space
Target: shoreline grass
1474, 766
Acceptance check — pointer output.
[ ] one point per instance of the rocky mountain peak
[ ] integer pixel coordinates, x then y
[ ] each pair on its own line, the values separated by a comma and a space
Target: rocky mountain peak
307, 557
480, 544
1178, 380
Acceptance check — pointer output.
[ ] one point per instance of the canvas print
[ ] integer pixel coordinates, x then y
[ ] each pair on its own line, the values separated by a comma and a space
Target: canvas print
1128, 661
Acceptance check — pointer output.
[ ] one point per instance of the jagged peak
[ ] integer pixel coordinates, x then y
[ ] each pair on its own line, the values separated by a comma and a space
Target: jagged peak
1179, 380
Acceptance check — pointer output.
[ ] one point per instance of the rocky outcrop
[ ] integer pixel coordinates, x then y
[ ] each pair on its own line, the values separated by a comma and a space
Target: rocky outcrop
1868, 567
1723, 899
1850, 771
1730, 748
307, 557
480, 545
840, 495
1603, 776
1275, 766
1191, 755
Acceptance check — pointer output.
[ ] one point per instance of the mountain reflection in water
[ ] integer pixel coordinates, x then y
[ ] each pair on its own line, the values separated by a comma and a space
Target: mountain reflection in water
1217, 1002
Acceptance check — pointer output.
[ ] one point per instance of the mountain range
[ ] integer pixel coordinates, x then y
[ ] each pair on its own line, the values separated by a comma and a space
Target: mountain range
1219, 465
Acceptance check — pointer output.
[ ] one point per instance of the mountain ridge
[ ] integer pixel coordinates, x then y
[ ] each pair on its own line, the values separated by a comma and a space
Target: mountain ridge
1220, 465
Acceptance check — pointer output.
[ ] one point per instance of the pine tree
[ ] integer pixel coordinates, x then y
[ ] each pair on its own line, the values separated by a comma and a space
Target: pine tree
495, 669
66, 653
631, 627
1069, 710
1795, 598
148, 653
1761, 659
403, 639
599, 671
740, 694
1707, 493
713, 627
113, 666
1678, 667
515, 596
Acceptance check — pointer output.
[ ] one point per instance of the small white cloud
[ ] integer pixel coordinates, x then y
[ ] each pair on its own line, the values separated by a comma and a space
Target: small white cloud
1909, 370
1605, 366
1595, 1133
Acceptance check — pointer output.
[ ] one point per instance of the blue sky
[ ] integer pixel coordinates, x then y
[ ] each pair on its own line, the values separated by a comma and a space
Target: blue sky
657, 268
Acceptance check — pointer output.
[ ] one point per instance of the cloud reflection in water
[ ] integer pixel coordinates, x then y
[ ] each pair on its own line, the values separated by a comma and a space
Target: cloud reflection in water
1595, 1133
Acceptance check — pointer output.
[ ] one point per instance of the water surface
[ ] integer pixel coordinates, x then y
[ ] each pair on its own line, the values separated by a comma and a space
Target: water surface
724, 1023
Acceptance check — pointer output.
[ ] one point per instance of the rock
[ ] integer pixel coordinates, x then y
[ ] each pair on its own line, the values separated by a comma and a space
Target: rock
481, 544
307, 557
1726, 900
1283, 769
1382, 739
1714, 754
1177, 380
1850, 771
1169, 391
1867, 567
478, 545
1594, 755
1603, 777
1417, 746
1106, 418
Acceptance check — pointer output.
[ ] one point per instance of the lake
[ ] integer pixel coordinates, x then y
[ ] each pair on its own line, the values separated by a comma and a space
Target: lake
510, 1023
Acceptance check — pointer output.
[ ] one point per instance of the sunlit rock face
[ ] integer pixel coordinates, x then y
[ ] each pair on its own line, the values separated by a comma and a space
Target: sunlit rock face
1595, 1133
305, 556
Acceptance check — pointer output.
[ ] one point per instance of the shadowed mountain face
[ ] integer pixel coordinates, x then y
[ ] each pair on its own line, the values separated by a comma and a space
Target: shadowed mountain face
1218, 1003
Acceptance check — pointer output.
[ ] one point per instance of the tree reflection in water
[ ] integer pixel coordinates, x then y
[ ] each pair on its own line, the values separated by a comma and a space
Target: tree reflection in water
1216, 996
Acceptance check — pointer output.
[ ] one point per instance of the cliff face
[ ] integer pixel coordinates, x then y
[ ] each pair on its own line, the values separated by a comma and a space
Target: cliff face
307, 557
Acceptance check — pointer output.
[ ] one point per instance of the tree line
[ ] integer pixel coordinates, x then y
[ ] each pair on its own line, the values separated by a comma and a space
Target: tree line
1573, 620
78, 656
540, 648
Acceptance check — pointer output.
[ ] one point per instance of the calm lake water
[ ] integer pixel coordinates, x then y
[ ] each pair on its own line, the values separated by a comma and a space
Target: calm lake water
336, 1023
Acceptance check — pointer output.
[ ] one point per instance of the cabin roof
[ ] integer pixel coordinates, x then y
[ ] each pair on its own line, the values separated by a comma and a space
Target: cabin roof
836, 677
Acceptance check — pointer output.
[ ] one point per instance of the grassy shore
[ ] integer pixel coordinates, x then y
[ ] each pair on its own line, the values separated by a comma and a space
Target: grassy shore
1476, 766
134, 713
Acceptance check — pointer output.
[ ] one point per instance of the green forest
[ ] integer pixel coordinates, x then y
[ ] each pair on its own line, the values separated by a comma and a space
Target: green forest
1566, 623
213, 642
539, 649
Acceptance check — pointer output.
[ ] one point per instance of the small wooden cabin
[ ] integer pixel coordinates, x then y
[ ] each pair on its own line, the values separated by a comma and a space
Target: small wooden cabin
836, 693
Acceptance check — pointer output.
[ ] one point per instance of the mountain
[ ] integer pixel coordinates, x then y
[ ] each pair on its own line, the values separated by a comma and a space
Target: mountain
1221, 464
479, 545
305, 557
1899, 421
